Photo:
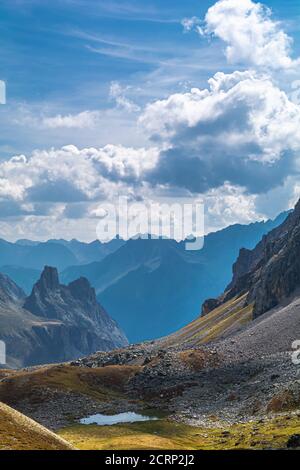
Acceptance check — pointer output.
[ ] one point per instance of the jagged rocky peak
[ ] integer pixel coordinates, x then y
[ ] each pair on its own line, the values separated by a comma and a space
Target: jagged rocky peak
51, 299
84, 326
49, 278
82, 290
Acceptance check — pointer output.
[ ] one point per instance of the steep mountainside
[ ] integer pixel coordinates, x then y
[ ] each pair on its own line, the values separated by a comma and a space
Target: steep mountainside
258, 314
154, 287
17, 432
55, 323
269, 273
19, 329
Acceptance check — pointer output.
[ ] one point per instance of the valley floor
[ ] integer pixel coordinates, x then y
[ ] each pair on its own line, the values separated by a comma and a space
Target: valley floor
272, 433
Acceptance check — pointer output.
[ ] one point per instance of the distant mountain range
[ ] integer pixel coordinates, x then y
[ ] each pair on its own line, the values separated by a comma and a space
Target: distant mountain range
150, 287
154, 287
55, 323
62, 253
24, 260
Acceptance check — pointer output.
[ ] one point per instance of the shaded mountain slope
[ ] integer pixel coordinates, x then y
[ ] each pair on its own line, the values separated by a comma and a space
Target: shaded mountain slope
19, 329
9, 291
30, 340
55, 323
259, 311
75, 305
154, 287
270, 273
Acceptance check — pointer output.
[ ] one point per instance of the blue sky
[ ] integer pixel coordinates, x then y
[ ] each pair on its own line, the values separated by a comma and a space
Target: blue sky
109, 60
61, 56
46, 47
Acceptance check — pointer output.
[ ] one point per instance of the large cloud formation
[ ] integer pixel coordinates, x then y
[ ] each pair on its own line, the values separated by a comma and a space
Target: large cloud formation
70, 175
235, 142
242, 133
242, 130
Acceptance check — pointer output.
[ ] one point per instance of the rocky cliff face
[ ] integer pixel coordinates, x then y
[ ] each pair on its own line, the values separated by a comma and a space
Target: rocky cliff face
76, 306
277, 274
55, 323
271, 272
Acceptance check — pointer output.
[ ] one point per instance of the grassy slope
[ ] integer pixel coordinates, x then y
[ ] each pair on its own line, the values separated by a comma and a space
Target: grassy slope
102, 383
221, 321
17, 432
167, 435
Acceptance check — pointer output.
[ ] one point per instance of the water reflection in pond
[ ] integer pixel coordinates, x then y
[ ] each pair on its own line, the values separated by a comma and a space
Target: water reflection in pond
105, 420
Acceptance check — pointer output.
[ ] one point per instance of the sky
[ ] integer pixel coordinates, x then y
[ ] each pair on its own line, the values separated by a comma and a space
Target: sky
146, 99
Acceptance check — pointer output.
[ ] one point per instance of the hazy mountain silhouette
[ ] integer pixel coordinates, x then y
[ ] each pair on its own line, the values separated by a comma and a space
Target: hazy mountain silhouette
24, 260
153, 287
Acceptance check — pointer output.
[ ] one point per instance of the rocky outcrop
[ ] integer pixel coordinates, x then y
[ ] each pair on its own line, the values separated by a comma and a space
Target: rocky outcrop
55, 323
209, 305
273, 271
270, 272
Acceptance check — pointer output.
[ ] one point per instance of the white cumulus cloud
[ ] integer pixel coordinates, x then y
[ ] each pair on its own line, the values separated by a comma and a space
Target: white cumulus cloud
252, 36
71, 175
242, 129
228, 205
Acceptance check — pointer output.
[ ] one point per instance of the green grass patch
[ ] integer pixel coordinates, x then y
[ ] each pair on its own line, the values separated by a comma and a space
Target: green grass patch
169, 435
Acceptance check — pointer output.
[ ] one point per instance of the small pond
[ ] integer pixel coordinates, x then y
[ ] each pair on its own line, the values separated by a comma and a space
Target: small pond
105, 420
